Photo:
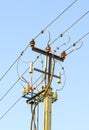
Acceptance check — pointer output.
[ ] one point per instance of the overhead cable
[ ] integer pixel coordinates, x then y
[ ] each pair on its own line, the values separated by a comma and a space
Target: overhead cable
36, 37
9, 68
38, 117
75, 43
61, 35
21, 78
12, 86
75, 22
10, 108
60, 15
13, 64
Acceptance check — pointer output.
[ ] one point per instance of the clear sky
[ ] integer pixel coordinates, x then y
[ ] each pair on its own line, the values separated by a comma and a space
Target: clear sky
22, 20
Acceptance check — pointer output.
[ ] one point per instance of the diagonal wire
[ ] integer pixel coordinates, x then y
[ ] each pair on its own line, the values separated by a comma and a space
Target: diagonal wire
35, 38
60, 15
9, 68
55, 20
13, 63
37, 79
10, 108
75, 22
12, 86
15, 103
74, 44
61, 35
82, 38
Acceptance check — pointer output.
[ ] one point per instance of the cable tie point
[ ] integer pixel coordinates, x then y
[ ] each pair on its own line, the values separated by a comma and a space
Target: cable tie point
42, 31
21, 53
74, 44
61, 35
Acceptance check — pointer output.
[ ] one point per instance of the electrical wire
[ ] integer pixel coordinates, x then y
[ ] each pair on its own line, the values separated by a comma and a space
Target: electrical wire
75, 49
36, 37
21, 77
10, 108
75, 22
60, 15
12, 86
21, 54
54, 20
29, 61
61, 35
63, 44
49, 38
82, 37
58, 47
38, 117
10, 67
33, 110
40, 99
37, 79
33, 116
47, 86
77, 42
15, 103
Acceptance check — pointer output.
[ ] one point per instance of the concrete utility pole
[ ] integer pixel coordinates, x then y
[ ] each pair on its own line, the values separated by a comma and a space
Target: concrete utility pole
47, 110
48, 97
48, 100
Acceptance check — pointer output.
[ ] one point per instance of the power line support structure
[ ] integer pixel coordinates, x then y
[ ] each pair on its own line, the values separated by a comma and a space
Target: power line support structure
48, 97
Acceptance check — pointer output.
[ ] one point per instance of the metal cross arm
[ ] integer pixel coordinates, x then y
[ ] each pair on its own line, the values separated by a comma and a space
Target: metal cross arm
41, 71
48, 54
34, 97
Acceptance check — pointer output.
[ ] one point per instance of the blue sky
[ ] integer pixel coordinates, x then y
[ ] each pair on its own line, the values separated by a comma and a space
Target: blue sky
20, 21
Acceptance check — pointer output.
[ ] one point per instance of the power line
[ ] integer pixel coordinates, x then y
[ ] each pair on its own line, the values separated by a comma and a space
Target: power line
75, 22
81, 38
16, 103
13, 63
24, 62
74, 44
54, 20
19, 79
36, 37
9, 68
10, 109
60, 15
61, 35
12, 86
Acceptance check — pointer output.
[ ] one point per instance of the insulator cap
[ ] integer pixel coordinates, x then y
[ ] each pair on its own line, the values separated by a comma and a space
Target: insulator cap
31, 67
32, 43
48, 48
59, 78
63, 55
